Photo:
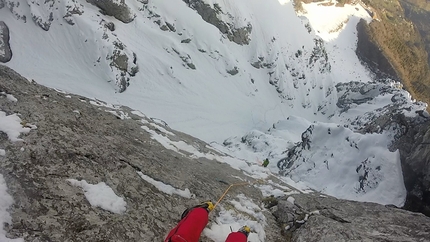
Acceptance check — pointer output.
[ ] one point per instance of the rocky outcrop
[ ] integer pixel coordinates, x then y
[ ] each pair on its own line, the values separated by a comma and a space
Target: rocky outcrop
5, 51
239, 35
317, 217
73, 8
44, 20
115, 8
411, 135
414, 148
371, 55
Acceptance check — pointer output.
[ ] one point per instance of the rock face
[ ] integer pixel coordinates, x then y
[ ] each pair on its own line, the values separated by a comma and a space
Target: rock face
411, 137
116, 8
239, 35
5, 51
320, 218
78, 140
414, 149
370, 54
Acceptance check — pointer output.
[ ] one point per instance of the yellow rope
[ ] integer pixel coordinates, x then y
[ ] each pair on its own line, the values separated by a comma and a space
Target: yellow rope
232, 185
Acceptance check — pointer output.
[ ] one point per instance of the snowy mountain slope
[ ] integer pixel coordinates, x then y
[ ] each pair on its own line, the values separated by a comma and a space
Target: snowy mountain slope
293, 61
348, 158
241, 71
337, 27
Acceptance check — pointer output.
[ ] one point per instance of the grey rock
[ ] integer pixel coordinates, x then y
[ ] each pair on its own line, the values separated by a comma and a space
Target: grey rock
40, 18
238, 35
171, 27
164, 27
43, 23
2, 4
414, 147
119, 59
110, 26
233, 71
5, 50
331, 219
118, 10
285, 212
186, 41
77, 140
73, 9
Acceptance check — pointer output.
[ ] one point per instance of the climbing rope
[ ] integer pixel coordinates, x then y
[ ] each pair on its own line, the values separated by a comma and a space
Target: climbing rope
232, 185
226, 191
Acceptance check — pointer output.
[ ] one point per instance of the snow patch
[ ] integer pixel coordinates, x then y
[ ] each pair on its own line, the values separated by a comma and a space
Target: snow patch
166, 188
101, 195
11, 125
9, 97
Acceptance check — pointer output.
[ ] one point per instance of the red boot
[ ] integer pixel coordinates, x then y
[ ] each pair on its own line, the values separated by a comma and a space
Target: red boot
190, 227
239, 236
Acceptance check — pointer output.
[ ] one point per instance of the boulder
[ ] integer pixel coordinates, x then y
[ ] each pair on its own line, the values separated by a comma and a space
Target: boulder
5, 51
115, 8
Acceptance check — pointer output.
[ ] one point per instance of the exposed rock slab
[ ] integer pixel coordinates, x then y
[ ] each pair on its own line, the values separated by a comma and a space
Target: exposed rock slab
369, 53
5, 51
116, 8
414, 149
321, 218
